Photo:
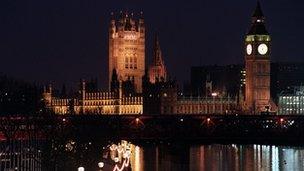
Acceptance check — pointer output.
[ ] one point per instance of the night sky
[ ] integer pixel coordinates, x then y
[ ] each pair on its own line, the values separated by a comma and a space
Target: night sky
65, 40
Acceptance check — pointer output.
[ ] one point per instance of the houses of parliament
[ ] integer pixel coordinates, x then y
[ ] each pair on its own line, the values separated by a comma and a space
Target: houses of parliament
135, 89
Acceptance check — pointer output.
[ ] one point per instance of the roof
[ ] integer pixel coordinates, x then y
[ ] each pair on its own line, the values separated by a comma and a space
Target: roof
258, 11
258, 22
258, 29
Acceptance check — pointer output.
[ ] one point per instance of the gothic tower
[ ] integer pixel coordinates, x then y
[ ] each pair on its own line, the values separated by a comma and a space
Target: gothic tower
127, 49
157, 70
257, 63
47, 95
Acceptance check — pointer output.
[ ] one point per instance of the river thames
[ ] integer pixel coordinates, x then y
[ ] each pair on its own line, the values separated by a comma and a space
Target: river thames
152, 144
183, 157
147, 156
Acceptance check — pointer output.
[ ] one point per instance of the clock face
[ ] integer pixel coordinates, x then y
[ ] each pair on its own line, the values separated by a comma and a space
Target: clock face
249, 49
262, 49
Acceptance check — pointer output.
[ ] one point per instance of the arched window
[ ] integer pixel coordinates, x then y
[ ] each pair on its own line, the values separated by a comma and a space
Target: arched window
131, 62
126, 62
135, 63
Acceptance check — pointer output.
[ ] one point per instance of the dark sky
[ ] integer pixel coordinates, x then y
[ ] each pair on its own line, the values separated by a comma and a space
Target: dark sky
65, 40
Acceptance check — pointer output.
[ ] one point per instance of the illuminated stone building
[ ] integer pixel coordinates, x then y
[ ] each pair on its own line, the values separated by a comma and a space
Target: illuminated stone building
202, 105
126, 69
285, 76
157, 70
257, 64
127, 49
98, 102
291, 102
163, 98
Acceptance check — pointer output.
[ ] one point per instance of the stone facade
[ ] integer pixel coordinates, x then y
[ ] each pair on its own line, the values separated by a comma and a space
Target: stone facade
127, 49
201, 105
163, 98
292, 102
94, 103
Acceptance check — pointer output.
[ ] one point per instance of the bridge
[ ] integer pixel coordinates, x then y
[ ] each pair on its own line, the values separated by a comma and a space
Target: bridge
219, 128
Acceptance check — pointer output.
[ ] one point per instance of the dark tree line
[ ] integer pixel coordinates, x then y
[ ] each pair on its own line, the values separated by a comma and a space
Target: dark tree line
18, 97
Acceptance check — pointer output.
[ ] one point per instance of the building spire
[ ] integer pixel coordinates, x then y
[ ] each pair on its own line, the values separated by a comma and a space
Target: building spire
258, 13
258, 22
157, 58
157, 71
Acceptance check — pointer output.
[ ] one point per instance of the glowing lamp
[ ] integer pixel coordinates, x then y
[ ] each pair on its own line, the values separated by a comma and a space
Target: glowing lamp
80, 168
214, 94
100, 164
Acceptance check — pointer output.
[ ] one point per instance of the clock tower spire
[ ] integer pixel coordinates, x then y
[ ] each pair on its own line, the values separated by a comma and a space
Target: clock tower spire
257, 64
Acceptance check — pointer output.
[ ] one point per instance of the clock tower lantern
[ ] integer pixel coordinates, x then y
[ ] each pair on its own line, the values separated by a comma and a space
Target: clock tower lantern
257, 64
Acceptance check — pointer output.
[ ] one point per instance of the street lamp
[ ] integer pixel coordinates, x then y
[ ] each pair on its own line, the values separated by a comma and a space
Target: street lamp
214, 95
80, 168
100, 165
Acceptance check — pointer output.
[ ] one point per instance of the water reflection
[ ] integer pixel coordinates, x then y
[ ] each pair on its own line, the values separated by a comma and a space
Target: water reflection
217, 157
125, 156
245, 157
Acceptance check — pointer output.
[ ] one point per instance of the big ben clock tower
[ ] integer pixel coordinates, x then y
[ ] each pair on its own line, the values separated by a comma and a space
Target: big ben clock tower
257, 63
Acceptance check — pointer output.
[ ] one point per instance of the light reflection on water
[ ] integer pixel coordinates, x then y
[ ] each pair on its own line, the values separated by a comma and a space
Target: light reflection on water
217, 157
161, 157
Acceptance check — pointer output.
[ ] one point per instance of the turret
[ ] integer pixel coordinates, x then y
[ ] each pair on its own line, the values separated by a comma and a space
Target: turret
50, 88
112, 29
115, 84
120, 89
47, 95
141, 25
83, 89
121, 21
